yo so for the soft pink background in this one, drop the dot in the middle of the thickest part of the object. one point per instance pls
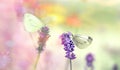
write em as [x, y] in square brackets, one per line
[16, 48]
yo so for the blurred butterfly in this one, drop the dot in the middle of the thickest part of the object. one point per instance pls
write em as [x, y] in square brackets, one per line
[82, 41]
[32, 23]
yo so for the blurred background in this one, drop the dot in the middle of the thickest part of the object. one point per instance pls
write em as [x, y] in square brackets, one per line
[99, 19]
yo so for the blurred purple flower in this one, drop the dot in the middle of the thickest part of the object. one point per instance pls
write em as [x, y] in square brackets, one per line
[89, 60]
[68, 45]
[45, 30]
[4, 60]
[19, 10]
[43, 36]
[115, 67]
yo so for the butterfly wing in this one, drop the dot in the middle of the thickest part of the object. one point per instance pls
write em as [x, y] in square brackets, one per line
[82, 41]
[32, 23]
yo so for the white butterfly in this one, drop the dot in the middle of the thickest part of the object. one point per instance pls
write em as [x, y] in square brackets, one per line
[82, 41]
[32, 23]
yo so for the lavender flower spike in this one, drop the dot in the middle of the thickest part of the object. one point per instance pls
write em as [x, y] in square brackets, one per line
[89, 60]
[68, 45]
[43, 36]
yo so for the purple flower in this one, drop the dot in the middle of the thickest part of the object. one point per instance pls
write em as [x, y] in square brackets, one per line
[115, 67]
[68, 45]
[43, 37]
[19, 9]
[89, 60]
[45, 30]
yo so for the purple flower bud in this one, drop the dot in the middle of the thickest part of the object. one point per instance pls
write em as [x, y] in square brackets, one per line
[43, 36]
[68, 45]
[115, 67]
[89, 60]
[45, 29]
[70, 55]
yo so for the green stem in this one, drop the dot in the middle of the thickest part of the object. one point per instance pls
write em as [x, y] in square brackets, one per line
[36, 62]
[66, 65]
[70, 64]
